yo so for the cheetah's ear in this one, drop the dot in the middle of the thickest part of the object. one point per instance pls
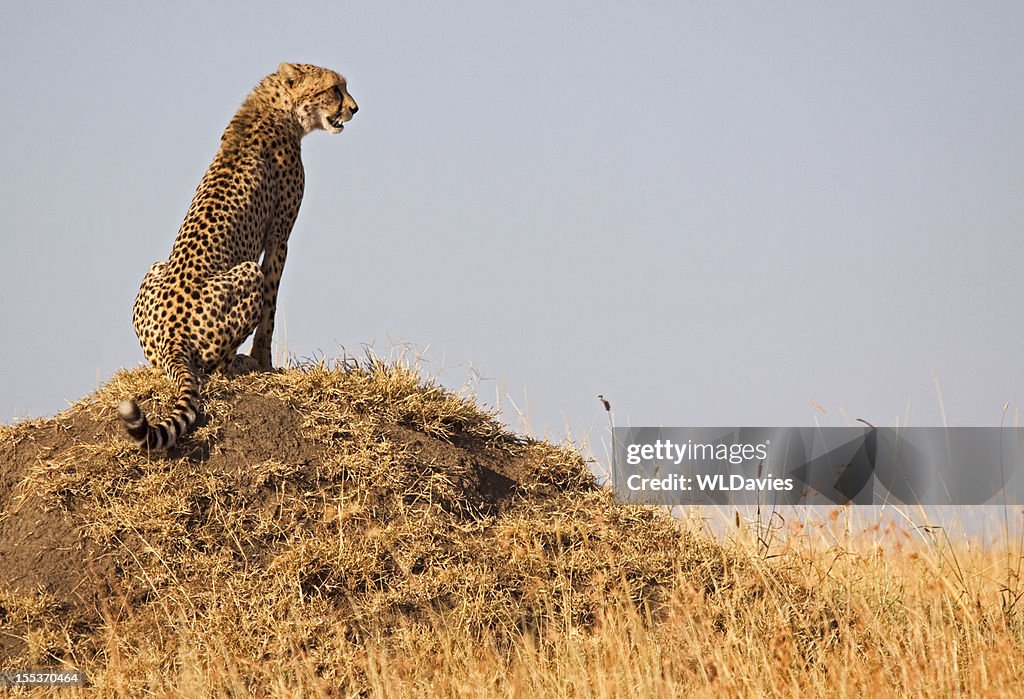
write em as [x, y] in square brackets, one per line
[289, 73]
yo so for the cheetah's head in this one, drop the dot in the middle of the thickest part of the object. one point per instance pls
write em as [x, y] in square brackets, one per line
[319, 97]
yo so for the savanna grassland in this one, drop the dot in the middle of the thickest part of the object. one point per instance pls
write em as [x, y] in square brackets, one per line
[353, 529]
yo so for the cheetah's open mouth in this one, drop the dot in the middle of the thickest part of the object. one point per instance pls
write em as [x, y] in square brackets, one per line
[336, 122]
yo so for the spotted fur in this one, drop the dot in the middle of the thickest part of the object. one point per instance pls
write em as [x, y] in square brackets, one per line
[220, 283]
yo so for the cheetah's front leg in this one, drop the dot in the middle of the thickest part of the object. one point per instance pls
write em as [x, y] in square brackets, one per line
[273, 265]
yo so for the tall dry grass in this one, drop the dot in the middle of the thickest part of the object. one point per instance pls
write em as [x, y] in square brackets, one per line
[912, 621]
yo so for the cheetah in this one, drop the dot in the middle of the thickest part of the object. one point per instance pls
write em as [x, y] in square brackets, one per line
[220, 283]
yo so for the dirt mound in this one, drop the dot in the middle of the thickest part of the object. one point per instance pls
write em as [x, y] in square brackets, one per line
[314, 511]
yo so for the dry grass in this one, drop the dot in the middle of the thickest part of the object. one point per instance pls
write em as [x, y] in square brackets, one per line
[350, 530]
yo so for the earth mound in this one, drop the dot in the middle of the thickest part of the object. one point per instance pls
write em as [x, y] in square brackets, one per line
[313, 513]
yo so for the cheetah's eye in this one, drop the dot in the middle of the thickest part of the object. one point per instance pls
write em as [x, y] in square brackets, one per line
[331, 92]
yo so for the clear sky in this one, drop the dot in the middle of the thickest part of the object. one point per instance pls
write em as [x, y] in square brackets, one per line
[712, 213]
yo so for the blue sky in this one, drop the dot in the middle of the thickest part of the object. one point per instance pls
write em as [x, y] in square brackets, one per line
[712, 213]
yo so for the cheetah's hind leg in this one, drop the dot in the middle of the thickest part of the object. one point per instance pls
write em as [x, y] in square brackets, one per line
[146, 312]
[230, 306]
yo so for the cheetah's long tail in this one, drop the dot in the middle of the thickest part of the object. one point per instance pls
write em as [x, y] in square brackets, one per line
[166, 433]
